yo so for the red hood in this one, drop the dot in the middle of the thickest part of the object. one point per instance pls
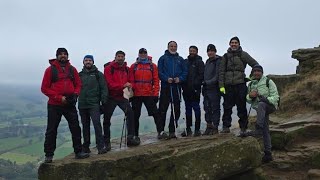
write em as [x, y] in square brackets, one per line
[56, 63]
[115, 65]
[149, 58]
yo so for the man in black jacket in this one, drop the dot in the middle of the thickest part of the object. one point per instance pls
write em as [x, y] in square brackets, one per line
[192, 90]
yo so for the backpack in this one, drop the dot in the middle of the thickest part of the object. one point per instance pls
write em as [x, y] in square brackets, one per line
[112, 68]
[267, 84]
[151, 69]
[54, 74]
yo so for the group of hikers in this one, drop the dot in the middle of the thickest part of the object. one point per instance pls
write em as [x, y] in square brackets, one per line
[221, 76]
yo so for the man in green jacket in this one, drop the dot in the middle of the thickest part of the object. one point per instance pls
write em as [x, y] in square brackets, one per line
[263, 96]
[93, 91]
[232, 84]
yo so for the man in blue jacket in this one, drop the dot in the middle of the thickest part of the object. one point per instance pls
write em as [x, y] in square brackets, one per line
[172, 71]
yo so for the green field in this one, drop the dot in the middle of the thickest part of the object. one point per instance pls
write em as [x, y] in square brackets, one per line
[18, 158]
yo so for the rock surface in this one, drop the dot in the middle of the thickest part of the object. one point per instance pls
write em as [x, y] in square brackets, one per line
[209, 157]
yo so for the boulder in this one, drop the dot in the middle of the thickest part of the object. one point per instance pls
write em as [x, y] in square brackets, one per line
[208, 157]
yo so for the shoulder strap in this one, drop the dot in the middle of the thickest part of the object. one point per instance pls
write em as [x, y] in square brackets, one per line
[267, 82]
[54, 74]
[71, 73]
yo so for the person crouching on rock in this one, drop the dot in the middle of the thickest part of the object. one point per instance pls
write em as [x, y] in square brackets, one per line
[264, 97]
[146, 88]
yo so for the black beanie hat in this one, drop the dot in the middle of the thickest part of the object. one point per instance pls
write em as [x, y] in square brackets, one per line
[60, 50]
[235, 38]
[257, 67]
[211, 47]
[194, 47]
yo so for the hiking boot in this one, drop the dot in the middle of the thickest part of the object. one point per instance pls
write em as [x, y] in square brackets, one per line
[256, 133]
[267, 157]
[81, 155]
[48, 159]
[243, 132]
[86, 150]
[102, 151]
[197, 133]
[225, 130]
[163, 135]
[172, 135]
[137, 139]
[209, 130]
[186, 133]
[132, 141]
[107, 144]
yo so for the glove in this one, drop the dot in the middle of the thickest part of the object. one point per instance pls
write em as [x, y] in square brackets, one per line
[223, 90]
[263, 99]
[155, 99]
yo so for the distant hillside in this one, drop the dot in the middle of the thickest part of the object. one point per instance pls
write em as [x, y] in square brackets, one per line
[19, 101]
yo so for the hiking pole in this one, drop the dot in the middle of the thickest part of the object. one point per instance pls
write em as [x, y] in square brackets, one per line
[249, 110]
[172, 108]
[124, 128]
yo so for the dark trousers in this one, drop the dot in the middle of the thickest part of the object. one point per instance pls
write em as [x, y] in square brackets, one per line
[152, 109]
[55, 113]
[173, 100]
[263, 112]
[86, 116]
[124, 105]
[235, 95]
[211, 104]
[192, 101]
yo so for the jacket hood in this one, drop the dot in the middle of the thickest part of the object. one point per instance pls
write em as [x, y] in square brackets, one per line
[55, 62]
[115, 65]
[169, 54]
[93, 69]
[239, 50]
[196, 57]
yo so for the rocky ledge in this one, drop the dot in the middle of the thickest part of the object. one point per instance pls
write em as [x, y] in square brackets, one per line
[207, 157]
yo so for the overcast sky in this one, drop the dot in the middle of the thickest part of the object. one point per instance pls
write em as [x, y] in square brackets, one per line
[269, 30]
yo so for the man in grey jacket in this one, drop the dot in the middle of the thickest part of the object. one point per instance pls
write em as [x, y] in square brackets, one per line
[211, 93]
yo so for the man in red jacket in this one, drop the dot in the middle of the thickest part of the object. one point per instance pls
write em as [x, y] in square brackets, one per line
[61, 83]
[117, 76]
[146, 88]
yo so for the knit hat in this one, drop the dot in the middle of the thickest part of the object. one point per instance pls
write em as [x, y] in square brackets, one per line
[142, 50]
[89, 57]
[60, 50]
[194, 47]
[211, 47]
[257, 67]
[235, 38]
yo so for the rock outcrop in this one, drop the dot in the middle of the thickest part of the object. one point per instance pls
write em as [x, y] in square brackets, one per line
[309, 59]
[212, 157]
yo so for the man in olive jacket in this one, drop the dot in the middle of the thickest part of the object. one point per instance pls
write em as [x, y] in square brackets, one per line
[264, 98]
[93, 91]
[232, 84]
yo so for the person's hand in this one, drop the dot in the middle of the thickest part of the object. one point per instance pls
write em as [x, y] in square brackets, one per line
[253, 94]
[127, 84]
[203, 83]
[64, 100]
[176, 80]
[223, 90]
[170, 80]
